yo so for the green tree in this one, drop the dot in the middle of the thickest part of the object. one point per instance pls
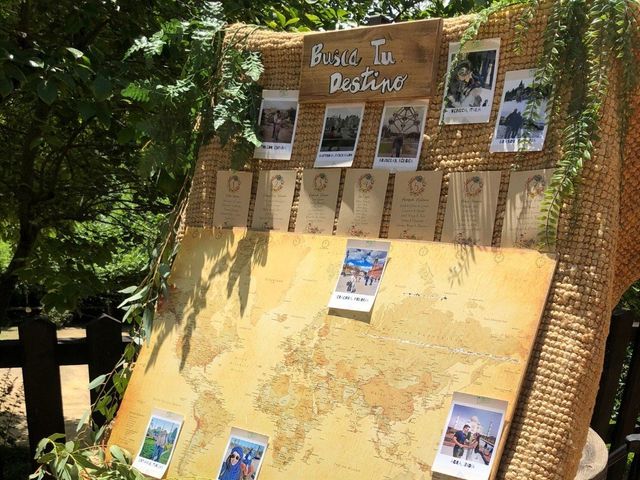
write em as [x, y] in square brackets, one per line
[66, 164]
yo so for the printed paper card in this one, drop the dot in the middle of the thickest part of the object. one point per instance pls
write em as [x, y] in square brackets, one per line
[522, 216]
[471, 208]
[518, 128]
[318, 201]
[360, 276]
[400, 136]
[471, 80]
[414, 208]
[158, 443]
[340, 135]
[471, 437]
[233, 193]
[243, 455]
[273, 200]
[362, 202]
[277, 124]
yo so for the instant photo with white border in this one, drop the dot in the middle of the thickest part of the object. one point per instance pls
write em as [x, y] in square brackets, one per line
[340, 135]
[477, 422]
[511, 133]
[360, 275]
[276, 125]
[400, 136]
[163, 428]
[471, 82]
[253, 446]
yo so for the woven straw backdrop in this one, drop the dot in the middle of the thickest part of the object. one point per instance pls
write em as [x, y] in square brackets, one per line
[598, 245]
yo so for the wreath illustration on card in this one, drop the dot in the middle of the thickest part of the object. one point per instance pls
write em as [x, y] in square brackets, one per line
[473, 186]
[535, 186]
[365, 182]
[417, 185]
[311, 228]
[405, 235]
[320, 182]
[357, 232]
[277, 182]
[234, 183]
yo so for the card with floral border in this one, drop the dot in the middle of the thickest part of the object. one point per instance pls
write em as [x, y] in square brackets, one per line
[471, 208]
[362, 203]
[233, 194]
[273, 200]
[414, 209]
[318, 201]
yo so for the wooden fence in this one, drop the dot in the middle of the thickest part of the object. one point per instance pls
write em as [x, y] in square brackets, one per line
[40, 354]
[623, 348]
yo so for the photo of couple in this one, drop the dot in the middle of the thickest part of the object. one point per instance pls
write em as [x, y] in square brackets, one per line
[471, 434]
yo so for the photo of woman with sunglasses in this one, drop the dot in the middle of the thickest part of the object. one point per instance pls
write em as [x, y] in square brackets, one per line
[232, 467]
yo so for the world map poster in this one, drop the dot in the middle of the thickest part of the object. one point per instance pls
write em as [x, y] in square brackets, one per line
[246, 341]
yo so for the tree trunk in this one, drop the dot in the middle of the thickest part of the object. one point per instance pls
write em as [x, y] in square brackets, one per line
[9, 278]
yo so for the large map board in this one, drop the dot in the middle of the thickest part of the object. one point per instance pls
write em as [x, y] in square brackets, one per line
[246, 340]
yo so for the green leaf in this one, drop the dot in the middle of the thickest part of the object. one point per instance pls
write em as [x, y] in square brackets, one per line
[101, 88]
[35, 63]
[83, 420]
[147, 318]
[96, 382]
[137, 296]
[75, 52]
[117, 453]
[136, 92]
[47, 91]
[128, 290]
[6, 86]
[87, 110]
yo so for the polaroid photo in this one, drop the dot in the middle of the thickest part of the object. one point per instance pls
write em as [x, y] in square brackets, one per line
[471, 437]
[360, 275]
[277, 124]
[340, 135]
[471, 81]
[158, 443]
[243, 455]
[400, 136]
[518, 129]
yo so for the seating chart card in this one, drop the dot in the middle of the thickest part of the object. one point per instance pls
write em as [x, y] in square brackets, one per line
[522, 216]
[414, 208]
[273, 200]
[362, 202]
[318, 201]
[233, 194]
[471, 208]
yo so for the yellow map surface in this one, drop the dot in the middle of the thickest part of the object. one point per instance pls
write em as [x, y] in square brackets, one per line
[246, 340]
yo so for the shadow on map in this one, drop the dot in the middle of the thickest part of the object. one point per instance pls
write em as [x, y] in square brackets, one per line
[188, 272]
